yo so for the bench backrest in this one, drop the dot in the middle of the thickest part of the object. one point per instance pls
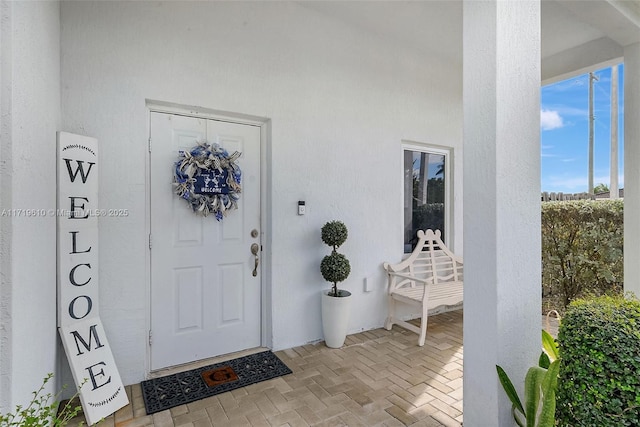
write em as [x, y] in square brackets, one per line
[431, 259]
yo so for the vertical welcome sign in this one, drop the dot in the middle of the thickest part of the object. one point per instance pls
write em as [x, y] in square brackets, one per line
[92, 364]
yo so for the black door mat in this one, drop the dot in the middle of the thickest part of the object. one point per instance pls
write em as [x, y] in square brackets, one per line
[186, 387]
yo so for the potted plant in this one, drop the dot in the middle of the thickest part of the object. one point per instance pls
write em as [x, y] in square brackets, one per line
[335, 268]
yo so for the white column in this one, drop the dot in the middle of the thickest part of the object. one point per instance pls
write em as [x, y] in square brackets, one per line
[501, 98]
[613, 180]
[632, 168]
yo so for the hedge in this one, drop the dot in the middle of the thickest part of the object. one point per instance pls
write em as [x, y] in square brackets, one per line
[430, 216]
[581, 250]
[599, 381]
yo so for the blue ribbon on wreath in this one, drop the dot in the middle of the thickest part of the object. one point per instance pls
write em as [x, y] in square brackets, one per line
[208, 178]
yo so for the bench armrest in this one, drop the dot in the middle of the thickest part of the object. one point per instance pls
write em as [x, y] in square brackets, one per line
[404, 279]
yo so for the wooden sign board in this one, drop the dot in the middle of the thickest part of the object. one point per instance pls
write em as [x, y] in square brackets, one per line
[94, 369]
[85, 342]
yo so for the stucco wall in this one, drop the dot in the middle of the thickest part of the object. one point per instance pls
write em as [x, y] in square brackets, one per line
[30, 103]
[340, 101]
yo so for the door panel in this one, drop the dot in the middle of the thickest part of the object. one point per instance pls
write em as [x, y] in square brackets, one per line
[204, 299]
[189, 286]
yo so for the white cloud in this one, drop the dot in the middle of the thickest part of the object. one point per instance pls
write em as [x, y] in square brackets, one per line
[550, 120]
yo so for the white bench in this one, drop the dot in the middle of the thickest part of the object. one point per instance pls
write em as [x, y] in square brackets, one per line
[430, 277]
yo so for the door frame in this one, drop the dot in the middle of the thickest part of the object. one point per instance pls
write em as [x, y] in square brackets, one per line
[154, 106]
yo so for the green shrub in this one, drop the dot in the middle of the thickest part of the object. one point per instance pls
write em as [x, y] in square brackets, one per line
[43, 410]
[430, 215]
[599, 382]
[581, 250]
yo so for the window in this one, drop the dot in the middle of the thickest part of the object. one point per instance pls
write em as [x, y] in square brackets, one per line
[425, 192]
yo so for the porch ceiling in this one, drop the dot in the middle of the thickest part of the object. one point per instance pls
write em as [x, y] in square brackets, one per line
[574, 33]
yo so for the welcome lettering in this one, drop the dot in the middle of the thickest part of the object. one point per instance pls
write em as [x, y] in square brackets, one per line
[79, 168]
[81, 330]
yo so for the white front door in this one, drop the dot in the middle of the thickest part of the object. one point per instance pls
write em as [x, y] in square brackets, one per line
[205, 300]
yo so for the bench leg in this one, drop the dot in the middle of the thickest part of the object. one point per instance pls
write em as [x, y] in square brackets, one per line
[392, 313]
[423, 325]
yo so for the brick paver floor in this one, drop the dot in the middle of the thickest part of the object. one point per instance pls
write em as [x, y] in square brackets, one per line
[379, 378]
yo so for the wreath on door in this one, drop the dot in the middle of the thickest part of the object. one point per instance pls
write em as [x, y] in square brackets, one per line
[208, 178]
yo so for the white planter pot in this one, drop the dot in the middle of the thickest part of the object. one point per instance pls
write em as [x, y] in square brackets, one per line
[335, 318]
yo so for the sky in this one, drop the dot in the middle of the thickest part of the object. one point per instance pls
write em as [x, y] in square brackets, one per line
[564, 129]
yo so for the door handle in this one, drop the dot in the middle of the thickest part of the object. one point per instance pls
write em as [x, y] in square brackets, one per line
[254, 251]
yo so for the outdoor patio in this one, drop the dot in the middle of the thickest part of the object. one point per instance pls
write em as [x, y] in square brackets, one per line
[379, 378]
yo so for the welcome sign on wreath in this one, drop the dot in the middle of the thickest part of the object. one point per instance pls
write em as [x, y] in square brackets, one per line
[208, 178]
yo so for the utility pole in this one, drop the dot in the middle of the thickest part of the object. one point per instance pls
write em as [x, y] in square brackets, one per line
[613, 187]
[592, 77]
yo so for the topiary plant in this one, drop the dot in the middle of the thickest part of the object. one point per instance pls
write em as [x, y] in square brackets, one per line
[335, 267]
[600, 350]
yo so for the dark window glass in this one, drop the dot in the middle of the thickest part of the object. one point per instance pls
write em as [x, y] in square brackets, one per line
[424, 178]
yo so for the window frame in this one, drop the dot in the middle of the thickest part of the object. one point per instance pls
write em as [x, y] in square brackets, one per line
[447, 152]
